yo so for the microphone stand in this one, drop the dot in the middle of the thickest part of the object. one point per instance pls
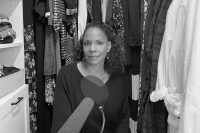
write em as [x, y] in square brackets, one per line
[101, 110]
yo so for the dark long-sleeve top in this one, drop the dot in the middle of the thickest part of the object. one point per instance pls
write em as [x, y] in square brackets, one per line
[68, 96]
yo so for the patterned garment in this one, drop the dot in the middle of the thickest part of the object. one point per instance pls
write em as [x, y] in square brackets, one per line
[59, 12]
[33, 123]
[29, 42]
[118, 24]
[30, 74]
[50, 85]
[30, 69]
[32, 96]
[68, 42]
[69, 60]
[63, 37]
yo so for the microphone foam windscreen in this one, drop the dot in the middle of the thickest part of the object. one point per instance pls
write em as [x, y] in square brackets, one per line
[78, 118]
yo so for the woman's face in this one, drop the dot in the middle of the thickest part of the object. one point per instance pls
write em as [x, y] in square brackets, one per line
[95, 46]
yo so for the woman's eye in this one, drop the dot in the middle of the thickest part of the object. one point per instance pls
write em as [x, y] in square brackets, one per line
[86, 43]
[100, 43]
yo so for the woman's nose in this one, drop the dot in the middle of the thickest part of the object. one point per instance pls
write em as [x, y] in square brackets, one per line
[92, 48]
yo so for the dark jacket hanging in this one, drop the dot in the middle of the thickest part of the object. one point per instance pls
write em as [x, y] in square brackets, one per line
[44, 111]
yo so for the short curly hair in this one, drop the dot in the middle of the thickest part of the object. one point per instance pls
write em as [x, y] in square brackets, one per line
[115, 63]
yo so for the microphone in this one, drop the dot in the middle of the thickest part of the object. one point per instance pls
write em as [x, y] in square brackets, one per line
[78, 118]
[95, 91]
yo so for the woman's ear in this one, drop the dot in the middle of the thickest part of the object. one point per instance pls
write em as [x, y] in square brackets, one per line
[109, 46]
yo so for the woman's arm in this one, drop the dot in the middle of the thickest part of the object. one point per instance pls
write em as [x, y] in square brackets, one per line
[62, 104]
[122, 124]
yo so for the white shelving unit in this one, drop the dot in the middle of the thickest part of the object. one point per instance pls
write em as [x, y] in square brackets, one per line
[10, 45]
[14, 107]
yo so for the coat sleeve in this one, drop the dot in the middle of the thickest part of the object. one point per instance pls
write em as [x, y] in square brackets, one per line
[62, 104]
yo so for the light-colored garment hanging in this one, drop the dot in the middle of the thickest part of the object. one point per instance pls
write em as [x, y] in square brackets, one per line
[190, 109]
[135, 96]
[58, 57]
[104, 5]
[169, 71]
[49, 53]
[82, 17]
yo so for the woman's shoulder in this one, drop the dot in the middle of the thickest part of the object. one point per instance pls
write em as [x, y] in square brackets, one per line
[69, 69]
[118, 78]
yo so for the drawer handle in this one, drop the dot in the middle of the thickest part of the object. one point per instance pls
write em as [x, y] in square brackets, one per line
[19, 99]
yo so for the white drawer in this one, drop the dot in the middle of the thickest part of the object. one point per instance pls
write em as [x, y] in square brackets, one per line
[14, 114]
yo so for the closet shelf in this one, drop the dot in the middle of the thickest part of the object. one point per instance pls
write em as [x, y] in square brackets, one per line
[9, 45]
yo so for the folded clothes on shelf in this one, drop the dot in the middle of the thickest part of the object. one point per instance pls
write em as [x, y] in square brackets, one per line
[7, 32]
[5, 25]
[7, 39]
[2, 24]
[4, 28]
[7, 36]
[3, 16]
[8, 70]
[1, 70]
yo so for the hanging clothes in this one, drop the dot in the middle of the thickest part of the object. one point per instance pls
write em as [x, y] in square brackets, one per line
[30, 61]
[109, 11]
[118, 20]
[66, 25]
[44, 112]
[169, 72]
[60, 26]
[154, 117]
[149, 10]
[134, 46]
[190, 64]
[155, 44]
[28, 12]
[89, 7]
[135, 18]
[59, 12]
[145, 5]
[71, 7]
[49, 56]
[58, 56]
[104, 6]
[50, 67]
[30, 74]
[96, 10]
[82, 17]
[49, 11]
